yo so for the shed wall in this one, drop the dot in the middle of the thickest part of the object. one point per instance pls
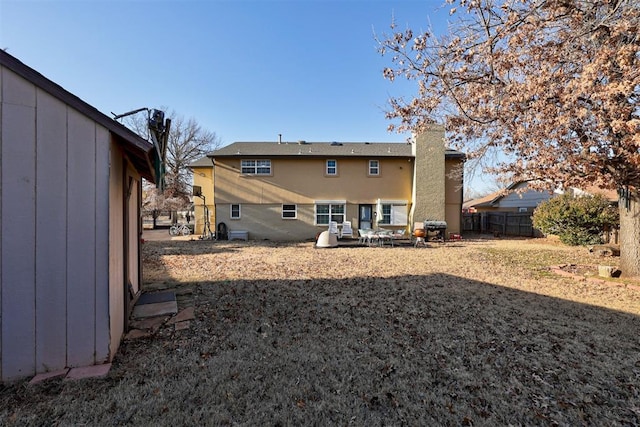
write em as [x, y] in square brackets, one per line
[53, 249]
[51, 224]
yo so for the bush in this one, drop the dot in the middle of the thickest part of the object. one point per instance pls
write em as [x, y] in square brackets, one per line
[576, 220]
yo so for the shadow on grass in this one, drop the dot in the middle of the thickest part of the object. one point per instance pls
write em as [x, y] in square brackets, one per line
[415, 350]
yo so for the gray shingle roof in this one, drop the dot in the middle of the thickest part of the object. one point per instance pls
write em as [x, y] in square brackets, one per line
[319, 149]
[201, 162]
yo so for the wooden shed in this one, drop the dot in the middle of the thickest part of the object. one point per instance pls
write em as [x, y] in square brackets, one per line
[70, 195]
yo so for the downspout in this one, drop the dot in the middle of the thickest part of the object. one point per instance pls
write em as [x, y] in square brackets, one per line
[213, 203]
[413, 184]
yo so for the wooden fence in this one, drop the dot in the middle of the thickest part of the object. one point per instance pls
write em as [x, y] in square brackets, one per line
[514, 224]
[504, 223]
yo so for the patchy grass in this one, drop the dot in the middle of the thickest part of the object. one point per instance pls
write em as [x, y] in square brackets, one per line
[464, 333]
[537, 261]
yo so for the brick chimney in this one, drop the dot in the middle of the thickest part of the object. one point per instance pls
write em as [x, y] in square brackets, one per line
[429, 175]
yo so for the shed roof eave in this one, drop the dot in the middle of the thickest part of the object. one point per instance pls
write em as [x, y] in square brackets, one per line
[132, 141]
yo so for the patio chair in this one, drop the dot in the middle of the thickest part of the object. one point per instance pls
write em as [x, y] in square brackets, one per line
[366, 236]
[346, 229]
[362, 236]
[397, 235]
[333, 227]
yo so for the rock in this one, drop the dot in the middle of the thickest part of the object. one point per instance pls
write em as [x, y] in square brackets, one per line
[185, 314]
[606, 270]
[605, 250]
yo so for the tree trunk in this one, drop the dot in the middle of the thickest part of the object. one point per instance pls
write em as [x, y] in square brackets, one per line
[629, 238]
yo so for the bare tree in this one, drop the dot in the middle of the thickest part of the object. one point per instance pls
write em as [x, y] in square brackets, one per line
[187, 142]
[553, 85]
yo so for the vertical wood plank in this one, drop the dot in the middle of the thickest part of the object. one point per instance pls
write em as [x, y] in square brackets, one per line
[18, 179]
[81, 259]
[1, 127]
[133, 238]
[51, 228]
[116, 248]
[102, 245]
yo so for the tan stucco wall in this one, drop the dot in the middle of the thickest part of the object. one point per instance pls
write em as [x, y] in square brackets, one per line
[304, 181]
[265, 222]
[204, 177]
[453, 195]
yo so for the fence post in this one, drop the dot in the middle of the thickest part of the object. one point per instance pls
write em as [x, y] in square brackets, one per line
[504, 224]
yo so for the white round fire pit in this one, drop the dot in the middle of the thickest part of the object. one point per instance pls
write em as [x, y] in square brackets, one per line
[327, 240]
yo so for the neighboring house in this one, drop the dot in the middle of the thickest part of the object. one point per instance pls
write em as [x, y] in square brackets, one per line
[70, 195]
[517, 197]
[290, 191]
[610, 195]
[510, 211]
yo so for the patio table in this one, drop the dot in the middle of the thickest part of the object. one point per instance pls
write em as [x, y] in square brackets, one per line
[384, 236]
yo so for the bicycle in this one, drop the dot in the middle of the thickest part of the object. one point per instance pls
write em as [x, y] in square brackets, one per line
[179, 229]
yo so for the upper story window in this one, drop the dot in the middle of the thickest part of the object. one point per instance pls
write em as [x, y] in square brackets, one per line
[374, 167]
[332, 167]
[256, 167]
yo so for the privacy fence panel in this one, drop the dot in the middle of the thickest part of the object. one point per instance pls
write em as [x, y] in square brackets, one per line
[505, 223]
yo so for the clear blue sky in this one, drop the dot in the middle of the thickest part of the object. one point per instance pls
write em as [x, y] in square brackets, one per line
[247, 70]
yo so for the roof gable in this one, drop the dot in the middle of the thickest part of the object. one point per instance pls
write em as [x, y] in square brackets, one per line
[518, 190]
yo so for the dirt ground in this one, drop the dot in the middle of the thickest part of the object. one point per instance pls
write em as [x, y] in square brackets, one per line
[476, 332]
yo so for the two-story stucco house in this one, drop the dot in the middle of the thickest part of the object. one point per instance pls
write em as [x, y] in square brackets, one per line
[291, 190]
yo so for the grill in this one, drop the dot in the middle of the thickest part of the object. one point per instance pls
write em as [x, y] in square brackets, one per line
[437, 227]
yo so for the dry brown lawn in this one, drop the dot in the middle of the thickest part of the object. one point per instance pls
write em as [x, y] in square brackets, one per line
[477, 332]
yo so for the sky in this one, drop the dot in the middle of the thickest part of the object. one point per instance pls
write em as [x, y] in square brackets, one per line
[246, 70]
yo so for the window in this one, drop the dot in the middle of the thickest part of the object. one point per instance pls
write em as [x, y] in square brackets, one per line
[235, 212]
[330, 211]
[332, 167]
[385, 217]
[392, 212]
[289, 211]
[374, 167]
[521, 210]
[255, 167]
